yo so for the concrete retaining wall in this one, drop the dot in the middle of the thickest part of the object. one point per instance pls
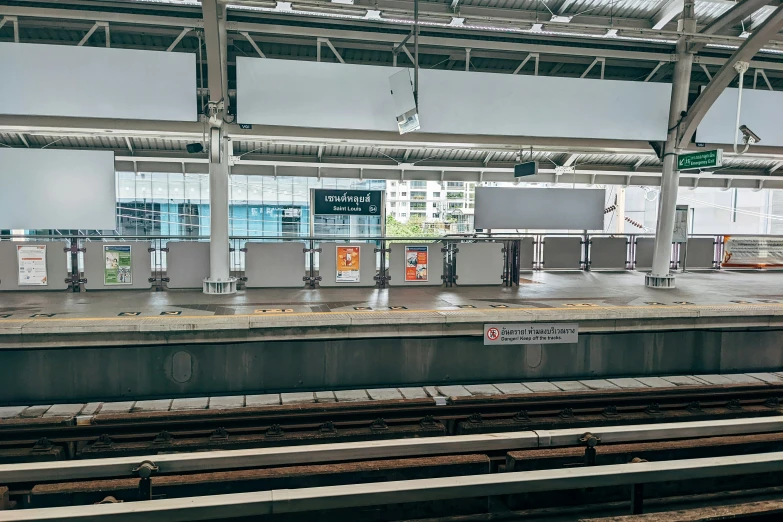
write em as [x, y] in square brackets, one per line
[61, 375]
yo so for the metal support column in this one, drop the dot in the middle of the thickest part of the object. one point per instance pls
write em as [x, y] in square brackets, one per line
[220, 280]
[661, 277]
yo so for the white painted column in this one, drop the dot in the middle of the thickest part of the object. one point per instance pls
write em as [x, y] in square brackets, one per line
[619, 226]
[660, 277]
[219, 281]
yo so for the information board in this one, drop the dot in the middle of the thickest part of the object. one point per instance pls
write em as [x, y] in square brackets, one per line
[416, 262]
[32, 265]
[348, 264]
[756, 252]
[118, 265]
[531, 333]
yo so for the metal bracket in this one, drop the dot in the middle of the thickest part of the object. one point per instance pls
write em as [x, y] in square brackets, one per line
[309, 250]
[590, 441]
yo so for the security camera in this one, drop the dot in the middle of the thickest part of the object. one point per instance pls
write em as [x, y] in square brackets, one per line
[749, 137]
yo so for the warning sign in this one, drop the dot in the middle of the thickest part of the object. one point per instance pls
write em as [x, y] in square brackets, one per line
[531, 333]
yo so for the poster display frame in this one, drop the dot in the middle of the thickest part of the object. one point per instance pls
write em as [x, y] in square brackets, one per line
[768, 252]
[121, 277]
[416, 252]
[35, 267]
[343, 272]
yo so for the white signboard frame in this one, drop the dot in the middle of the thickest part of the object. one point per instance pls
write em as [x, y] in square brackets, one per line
[31, 261]
[531, 333]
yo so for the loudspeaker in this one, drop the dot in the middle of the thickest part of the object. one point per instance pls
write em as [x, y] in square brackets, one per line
[194, 148]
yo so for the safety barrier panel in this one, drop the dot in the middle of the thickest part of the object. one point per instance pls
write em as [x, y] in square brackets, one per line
[142, 262]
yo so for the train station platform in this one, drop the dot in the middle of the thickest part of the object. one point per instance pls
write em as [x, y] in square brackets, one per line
[61, 347]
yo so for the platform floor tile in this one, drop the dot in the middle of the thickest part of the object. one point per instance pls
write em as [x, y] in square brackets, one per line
[90, 408]
[117, 407]
[541, 386]
[512, 388]
[226, 403]
[628, 383]
[35, 411]
[654, 382]
[351, 395]
[482, 389]
[743, 378]
[432, 391]
[714, 379]
[6, 412]
[268, 399]
[570, 385]
[384, 394]
[453, 390]
[194, 403]
[325, 396]
[154, 405]
[599, 384]
[766, 377]
[64, 410]
[413, 393]
[297, 397]
[682, 380]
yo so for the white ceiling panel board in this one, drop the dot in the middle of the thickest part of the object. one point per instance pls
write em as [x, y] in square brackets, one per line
[97, 82]
[762, 112]
[57, 189]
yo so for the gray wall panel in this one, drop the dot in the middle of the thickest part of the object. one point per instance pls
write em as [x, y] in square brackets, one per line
[327, 267]
[762, 112]
[645, 246]
[539, 208]
[49, 189]
[274, 265]
[344, 96]
[397, 265]
[96, 82]
[701, 253]
[608, 253]
[56, 266]
[187, 264]
[527, 253]
[141, 265]
[562, 253]
[479, 264]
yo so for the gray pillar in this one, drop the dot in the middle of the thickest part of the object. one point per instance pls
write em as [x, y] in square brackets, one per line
[660, 276]
[219, 281]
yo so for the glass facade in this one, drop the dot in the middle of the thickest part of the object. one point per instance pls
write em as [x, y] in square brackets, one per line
[174, 204]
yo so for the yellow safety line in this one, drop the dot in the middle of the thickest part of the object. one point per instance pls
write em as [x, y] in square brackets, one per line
[360, 312]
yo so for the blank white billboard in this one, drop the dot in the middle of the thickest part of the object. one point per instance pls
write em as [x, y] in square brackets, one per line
[343, 96]
[50, 188]
[539, 208]
[762, 112]
[96, 82]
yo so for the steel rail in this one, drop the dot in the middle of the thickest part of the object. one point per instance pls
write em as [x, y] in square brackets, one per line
[353, 451]
[422, 490]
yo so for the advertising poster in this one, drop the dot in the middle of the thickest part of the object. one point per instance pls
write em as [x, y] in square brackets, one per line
[348, 264]
[32, 265]
[752, 252]
[117, 270]
[416, 263]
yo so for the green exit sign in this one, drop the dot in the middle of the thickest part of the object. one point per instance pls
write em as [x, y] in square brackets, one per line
[700, 160]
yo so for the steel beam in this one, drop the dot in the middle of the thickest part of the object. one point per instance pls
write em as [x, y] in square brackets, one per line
[254, 45]
[738, 12]
[179, 38]
[216, 49]
[771, 26]
[668, 11]
[87, 36]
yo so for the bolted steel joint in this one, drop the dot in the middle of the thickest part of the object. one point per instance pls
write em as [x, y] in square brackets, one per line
[146, 469]
[589, 440]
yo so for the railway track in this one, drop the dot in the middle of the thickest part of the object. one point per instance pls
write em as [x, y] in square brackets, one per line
[104, 435]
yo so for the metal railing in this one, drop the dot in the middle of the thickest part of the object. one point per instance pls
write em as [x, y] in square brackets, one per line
[522, 252]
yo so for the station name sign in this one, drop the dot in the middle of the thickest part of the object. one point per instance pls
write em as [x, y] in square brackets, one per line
[531, 333]
[350, 202]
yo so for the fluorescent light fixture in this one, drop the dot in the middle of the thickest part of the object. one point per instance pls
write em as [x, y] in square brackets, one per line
[537, 28]
[744, 34]
[611, 33]
[372, 14]
[284, 7]
[457, 22]
[561, 19]
[344, 2]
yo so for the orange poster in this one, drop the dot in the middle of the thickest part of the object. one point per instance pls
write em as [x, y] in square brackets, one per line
[416, 263]
[348, 259]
